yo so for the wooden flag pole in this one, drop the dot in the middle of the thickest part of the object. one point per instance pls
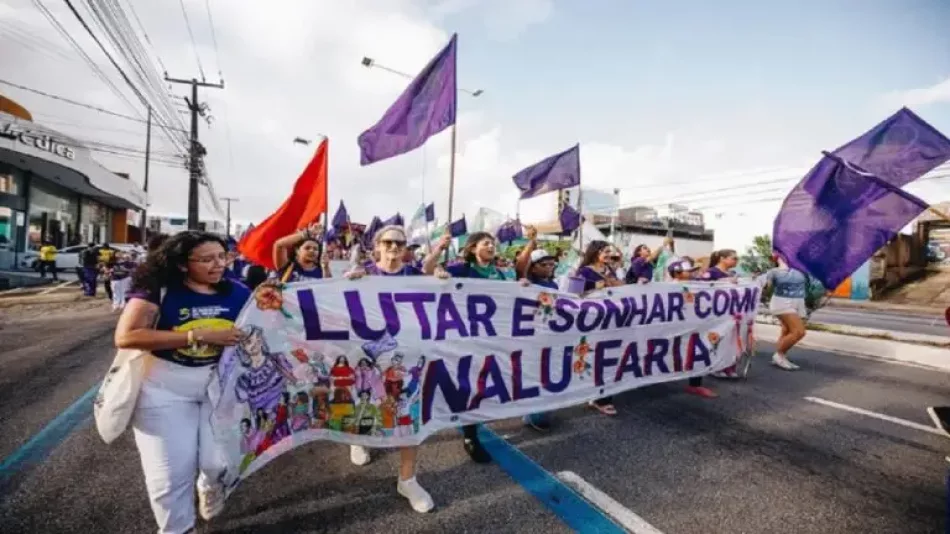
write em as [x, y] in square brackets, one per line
[939, 213]
[451, 182]
[580, 210]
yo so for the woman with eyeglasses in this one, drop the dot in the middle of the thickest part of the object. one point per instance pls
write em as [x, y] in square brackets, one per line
[597, 274]
[182, 310]
[477, 261]
[389, 247]
[309, 259]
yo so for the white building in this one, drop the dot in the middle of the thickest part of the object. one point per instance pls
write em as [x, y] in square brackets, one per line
[173, 223]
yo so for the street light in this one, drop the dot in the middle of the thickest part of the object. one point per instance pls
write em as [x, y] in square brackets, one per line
[369, 63]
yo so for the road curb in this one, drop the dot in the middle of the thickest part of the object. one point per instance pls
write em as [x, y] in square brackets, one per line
[926, 356]
[9, 302]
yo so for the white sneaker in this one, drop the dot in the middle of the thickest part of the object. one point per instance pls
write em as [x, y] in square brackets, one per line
[419, 498]
[359, 455]
[780, 361]
[210, 501]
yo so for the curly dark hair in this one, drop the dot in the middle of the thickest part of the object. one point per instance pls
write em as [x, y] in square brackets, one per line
[162, 267]
[468, 252]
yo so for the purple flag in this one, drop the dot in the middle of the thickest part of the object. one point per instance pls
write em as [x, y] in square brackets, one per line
[570, 219]
[395, 220]
[837, 217]
[370, 232]
[424, 109]
[559, 171]
[341, 217]
[898, 150]
[458, 228]
[330, 235]
[430, 212]
[509, 231]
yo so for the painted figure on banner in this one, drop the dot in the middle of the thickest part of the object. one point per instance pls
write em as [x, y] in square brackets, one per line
[581, 365]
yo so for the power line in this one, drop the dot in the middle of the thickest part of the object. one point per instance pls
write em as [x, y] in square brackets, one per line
[82, 53]
[194, 46]
[214, 38]
[77, 103]
[145, 33]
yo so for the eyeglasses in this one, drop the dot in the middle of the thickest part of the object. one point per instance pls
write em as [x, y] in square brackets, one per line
[392, 243]
[615, 258]
[220, 258]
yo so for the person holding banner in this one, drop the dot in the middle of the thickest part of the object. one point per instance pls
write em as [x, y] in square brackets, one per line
[684, 270]
[309, 259]
[597, 274]
[478, 261]
[389, 247]
[182, 309]
[721, 264]
[540, 272]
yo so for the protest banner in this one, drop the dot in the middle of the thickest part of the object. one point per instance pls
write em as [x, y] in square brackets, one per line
[388, 361]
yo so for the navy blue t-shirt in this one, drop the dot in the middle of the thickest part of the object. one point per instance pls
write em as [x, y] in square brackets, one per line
[183, 310]
[299, 274]
[714, 273]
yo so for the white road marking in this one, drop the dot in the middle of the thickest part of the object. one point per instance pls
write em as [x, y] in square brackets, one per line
[875, 415]
[54, 288]
[627, 519]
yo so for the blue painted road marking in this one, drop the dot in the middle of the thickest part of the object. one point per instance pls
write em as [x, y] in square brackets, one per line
[39, 447]
[557, 496]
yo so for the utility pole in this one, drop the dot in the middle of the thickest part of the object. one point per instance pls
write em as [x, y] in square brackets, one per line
[196, 151]
[148, 152]
[228, 224]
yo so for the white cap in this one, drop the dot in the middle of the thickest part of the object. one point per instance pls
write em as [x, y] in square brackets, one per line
[539, 255]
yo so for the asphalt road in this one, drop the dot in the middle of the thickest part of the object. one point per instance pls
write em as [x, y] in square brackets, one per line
[760, 459]
[895, 322]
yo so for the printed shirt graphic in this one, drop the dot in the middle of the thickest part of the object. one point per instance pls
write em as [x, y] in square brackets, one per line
[298, 273]
[184, 310]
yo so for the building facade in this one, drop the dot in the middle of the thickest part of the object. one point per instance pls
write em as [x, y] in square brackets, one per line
[51, 189]
[173, 224]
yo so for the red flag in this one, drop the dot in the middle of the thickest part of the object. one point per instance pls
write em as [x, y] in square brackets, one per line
[304, 206]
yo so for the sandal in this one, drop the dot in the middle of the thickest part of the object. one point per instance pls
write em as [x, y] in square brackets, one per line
[607, 409]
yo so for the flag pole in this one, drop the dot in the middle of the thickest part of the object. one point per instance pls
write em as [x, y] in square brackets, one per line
[580, 210]
[939, 213]
[451, 182]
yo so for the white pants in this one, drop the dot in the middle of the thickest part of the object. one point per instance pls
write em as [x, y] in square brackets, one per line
[172, 426]
[119, 288]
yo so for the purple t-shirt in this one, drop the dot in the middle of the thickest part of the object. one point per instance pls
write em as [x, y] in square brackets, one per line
[714, 273]
[639, 268]
[183, 310]
[299, 274]
[591, 277]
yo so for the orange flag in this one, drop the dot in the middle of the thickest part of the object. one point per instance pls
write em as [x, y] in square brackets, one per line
[304, 206]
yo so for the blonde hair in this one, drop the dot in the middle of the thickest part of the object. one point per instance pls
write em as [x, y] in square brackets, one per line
[391, 228]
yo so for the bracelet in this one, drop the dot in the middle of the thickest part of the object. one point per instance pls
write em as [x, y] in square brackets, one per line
[191, 338]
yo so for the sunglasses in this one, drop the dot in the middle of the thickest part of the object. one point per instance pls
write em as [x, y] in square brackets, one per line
[392, 243]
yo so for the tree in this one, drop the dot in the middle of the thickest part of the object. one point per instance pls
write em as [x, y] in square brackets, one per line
[758, 257]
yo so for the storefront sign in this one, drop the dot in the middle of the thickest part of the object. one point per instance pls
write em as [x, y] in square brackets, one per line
[39, 141]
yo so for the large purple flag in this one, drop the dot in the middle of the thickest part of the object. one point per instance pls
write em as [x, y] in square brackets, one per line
[559, 171]
[837, 217]
[430, 212]
[424, 109]
[899, 150]
[340, 218]
[570, 219]
[509, 231]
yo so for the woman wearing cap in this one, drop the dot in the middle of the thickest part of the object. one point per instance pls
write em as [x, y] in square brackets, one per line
[683, 270]
[536, 267]
[389, 246]
[788, 305]
[596, 272]
[309, 260]
[478, 261]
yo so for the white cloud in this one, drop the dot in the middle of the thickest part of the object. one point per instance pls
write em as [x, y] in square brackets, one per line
[922, 96]
[503, 20]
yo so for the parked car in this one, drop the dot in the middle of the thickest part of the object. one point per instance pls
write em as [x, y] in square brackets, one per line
[66, 258]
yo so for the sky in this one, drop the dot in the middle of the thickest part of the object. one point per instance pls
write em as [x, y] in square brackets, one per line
[722, 106]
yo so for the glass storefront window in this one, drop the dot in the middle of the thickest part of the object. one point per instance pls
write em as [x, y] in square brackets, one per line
[53, 216]
[11, 180]
[8, 233]
[95, 224]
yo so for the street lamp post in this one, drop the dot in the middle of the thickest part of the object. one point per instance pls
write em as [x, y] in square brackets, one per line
[369, 63]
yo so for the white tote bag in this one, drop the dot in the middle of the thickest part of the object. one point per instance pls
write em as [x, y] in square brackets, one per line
[115, 402]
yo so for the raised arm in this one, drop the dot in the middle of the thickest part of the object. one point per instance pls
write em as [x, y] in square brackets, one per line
[283, 245]
[523, 261]
[431, 260]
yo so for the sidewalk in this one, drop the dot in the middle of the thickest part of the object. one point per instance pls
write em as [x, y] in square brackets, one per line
[884, 307]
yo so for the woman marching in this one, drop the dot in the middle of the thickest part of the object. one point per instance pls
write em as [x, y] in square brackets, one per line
[389, 246]
[478, 261]
[683, 270]
[721, 264]
[309, 260]
[788, 305]
[182, 309]
[596, 272]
